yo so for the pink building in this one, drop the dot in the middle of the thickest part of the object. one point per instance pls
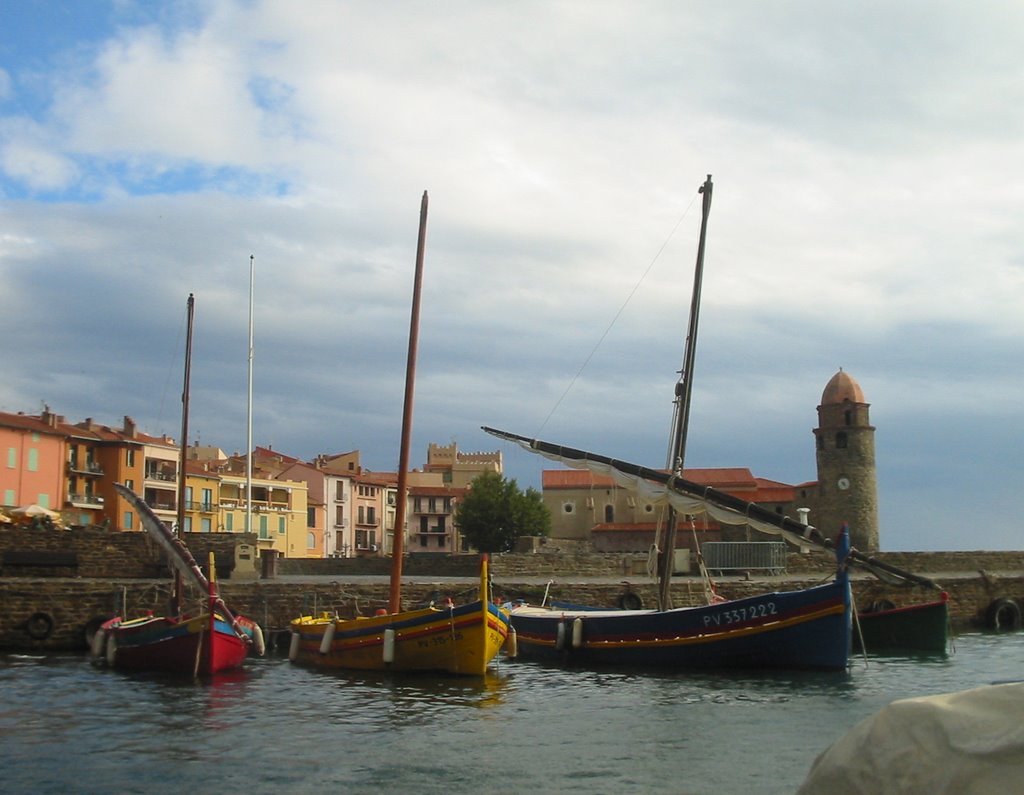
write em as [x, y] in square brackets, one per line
[35, 454]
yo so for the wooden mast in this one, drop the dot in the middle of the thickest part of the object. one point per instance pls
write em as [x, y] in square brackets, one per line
[248, 406]
[183, 449]
[681, 415]
[395, 600]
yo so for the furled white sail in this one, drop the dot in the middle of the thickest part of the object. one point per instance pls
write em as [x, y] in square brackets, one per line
[662, 494]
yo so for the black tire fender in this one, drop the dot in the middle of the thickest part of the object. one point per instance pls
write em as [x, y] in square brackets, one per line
[39, 626]
[631, 601]
[1003, 615]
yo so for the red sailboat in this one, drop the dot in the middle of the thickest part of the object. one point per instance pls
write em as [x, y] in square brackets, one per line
[204, 641]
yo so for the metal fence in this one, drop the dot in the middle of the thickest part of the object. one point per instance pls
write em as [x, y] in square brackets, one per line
[724, 556]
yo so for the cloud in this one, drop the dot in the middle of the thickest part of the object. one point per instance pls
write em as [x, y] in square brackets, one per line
[863, 217]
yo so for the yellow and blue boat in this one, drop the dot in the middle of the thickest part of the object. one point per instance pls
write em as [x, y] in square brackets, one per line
[457, 639]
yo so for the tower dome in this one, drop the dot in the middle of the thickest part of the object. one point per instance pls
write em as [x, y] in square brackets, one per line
[842, 387]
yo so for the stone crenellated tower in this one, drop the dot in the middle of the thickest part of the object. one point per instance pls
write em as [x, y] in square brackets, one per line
[847, 479]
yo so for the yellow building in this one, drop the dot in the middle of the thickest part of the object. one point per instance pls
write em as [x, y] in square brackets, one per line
[202, 494]
[279, 512]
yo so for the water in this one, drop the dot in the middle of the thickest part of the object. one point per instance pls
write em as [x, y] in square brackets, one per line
[66, 726]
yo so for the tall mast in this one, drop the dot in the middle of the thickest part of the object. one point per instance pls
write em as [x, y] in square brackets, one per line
[183, 446]
[681, 414]
[248, 413]
[395, 601]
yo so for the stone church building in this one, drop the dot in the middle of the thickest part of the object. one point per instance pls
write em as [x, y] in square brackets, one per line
[586, 506]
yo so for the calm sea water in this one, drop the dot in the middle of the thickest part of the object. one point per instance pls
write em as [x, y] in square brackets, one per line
[66, 726]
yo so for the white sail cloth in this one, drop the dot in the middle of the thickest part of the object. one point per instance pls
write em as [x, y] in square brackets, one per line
[951, 744]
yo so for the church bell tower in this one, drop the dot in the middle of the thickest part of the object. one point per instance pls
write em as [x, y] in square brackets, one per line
[847, 479]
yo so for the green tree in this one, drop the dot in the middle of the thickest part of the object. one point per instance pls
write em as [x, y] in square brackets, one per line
[494, 513]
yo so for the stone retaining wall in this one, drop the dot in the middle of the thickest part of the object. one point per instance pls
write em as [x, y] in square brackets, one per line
[112, 553]
[72, 603]
[125, 573]
[105, 553]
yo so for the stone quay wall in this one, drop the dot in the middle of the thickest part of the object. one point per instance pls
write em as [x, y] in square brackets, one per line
[114, 573]
[75, 606]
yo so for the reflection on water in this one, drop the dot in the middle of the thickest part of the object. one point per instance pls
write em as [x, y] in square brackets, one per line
[275, 727]
[400, 700]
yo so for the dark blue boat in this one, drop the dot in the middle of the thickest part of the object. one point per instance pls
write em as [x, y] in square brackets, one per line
[805, 629]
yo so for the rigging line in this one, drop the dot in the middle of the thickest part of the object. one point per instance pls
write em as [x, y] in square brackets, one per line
[170, 371]
[615, 319]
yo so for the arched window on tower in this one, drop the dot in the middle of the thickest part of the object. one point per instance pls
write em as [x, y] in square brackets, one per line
[821, 442]
[841, 440]
[848, 417]
[609, 513]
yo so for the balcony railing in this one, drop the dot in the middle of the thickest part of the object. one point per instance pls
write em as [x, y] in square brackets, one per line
[433, 510]
[85, 499]
[89, 468]
[156, 474]
[258, 506]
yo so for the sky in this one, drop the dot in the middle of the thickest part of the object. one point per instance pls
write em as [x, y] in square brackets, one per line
[866, 215]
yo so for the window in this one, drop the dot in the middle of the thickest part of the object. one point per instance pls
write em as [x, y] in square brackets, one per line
[205, 525]
[310, 517]
[362, 515]
[281, 527]
[207, 499]
[130, 485]
[841, 441]
[43, 500]
[129, 457]
[310, 540]
[848, 417]
[33, 460]
[12, 457]
[188, 524]
[129, 519]
[568, 507]
[339, 517]
[371, 515]
[609, 513]
[264, 533]
[229, 522]
[8, 496]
